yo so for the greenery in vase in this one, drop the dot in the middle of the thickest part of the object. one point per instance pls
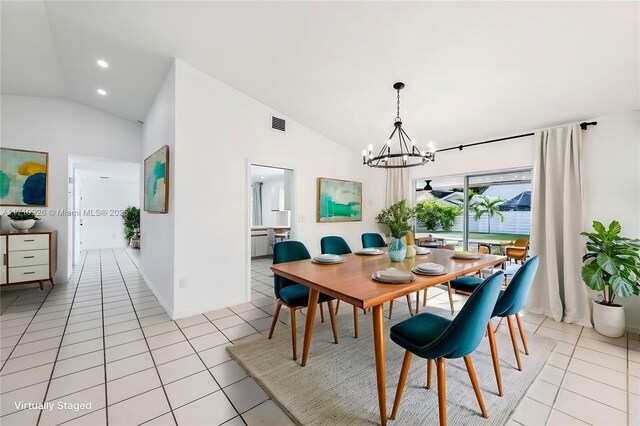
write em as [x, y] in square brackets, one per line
[436, 215]
[612, 262]
[397, 218]
[488, 206]
[131, 219]
[22, 216]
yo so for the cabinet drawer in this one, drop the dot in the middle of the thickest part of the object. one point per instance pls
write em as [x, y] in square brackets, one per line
[28, 258]
[28, 273]
[28, 242]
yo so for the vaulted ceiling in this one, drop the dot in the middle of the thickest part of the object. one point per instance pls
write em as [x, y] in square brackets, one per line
[473, 69]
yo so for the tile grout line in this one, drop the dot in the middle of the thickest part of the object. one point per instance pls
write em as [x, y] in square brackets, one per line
[104, 345]
[145, 336]
[53, 369]
[26, 328]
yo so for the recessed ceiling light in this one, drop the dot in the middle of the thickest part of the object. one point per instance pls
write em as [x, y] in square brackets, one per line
[103, 63]
[102, 92]
[262, 177]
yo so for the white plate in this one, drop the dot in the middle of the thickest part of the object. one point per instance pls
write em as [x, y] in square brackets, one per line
[429, 267]
[467, 256]
[373, 277]
[328, 257]
[373, 252]
[325, 262]
[415, 270]
[422, 251]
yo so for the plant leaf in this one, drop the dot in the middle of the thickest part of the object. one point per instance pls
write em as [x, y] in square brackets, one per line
[607, 263]
[621, 286]
[592, 276]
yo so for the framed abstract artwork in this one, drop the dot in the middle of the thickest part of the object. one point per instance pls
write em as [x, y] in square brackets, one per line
[339, 200]
[156, 181]
[23, 177]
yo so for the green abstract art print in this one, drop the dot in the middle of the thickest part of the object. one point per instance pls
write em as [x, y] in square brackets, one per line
[339, 200]
[156, 181]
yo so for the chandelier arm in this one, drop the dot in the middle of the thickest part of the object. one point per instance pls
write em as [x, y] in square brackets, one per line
[406, 147]
[413, 147]
[385, 146]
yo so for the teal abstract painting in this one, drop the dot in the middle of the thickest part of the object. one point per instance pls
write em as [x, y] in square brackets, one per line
[156, 181]
[23, 177]
[339, 200]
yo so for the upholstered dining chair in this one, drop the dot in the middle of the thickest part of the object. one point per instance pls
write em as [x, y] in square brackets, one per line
[337, 245]
[291, 294]
[372, 240]
[510, 303]
[433, 337]
[518, 251]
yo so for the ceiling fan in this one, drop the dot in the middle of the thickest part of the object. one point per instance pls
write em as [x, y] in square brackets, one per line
[427, 187]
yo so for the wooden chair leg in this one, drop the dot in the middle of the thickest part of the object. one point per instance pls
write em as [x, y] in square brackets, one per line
[390, 308]
[450, 296]
[293, 333]
[275, 317]
[429, 370]
[355, 322]
[401, 382]
[515, 342]
[524, 339]
[417, 301]
[321, 313]
[442, 391]
[474, 382]
[337, 305]
[409, 303]
[333, 321]
[494, 357]
[424, 297]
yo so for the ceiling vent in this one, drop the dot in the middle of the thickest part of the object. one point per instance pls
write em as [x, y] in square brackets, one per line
[278, 123]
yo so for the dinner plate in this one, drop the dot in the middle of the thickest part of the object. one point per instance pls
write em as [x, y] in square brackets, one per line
[325, 262]
[415, 270]
[420, 251]
[430, 267]
[328, 257]
[466, 256]
[375, 277]
[373, 252]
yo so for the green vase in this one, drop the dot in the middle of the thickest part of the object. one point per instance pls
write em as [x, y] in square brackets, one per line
[397, 250]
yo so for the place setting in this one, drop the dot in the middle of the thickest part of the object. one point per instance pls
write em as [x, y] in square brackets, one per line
[393, 276]
[421, 251]
[466, 255]
[370, 252]
[328, 259]
[429, 269]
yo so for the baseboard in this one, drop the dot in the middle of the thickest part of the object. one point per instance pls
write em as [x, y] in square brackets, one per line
[204, 309]
[162, 302]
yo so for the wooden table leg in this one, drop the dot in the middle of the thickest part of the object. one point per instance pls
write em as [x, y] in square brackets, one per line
[314, 295]
[378, 336]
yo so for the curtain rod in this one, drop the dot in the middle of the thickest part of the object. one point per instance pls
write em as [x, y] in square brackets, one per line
[583, 126]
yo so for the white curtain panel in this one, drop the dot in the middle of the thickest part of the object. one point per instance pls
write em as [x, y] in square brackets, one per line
[256, 208]
[556, 223]
[398, 183]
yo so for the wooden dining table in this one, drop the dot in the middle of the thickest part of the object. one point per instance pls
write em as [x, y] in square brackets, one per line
[351, 282]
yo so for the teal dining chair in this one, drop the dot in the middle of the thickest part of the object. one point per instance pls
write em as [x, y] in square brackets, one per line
[372, 240]
[433, 337]
[510, 303]
[337, 245]
[291, 294]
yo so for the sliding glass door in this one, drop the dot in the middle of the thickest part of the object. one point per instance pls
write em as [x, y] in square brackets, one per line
[491, 210]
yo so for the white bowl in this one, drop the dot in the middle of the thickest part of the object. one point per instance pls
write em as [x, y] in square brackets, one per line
[23, 225]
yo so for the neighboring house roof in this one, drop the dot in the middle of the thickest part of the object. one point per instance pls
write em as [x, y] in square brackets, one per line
[521, 202]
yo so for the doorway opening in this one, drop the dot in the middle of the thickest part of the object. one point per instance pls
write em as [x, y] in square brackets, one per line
[100, 189]
[270, 212]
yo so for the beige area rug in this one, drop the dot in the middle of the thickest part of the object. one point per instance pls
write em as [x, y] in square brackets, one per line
[338, 385]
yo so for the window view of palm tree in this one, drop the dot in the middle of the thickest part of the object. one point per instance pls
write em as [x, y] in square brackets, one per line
[499, 207]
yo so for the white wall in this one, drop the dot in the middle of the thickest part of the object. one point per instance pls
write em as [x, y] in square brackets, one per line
[62, 127]
[157, 230]
[105, 195]
[219, 131]
[269, 216]
[610, 169]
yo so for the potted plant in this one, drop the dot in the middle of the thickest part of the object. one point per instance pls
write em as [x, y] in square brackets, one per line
[22, 221]
[397, 217]
[131, 220]
[611, 266]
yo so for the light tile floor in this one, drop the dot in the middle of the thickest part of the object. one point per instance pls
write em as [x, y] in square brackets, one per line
[103, 338]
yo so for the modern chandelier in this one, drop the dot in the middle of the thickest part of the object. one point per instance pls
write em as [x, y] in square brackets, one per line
[409, 153]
